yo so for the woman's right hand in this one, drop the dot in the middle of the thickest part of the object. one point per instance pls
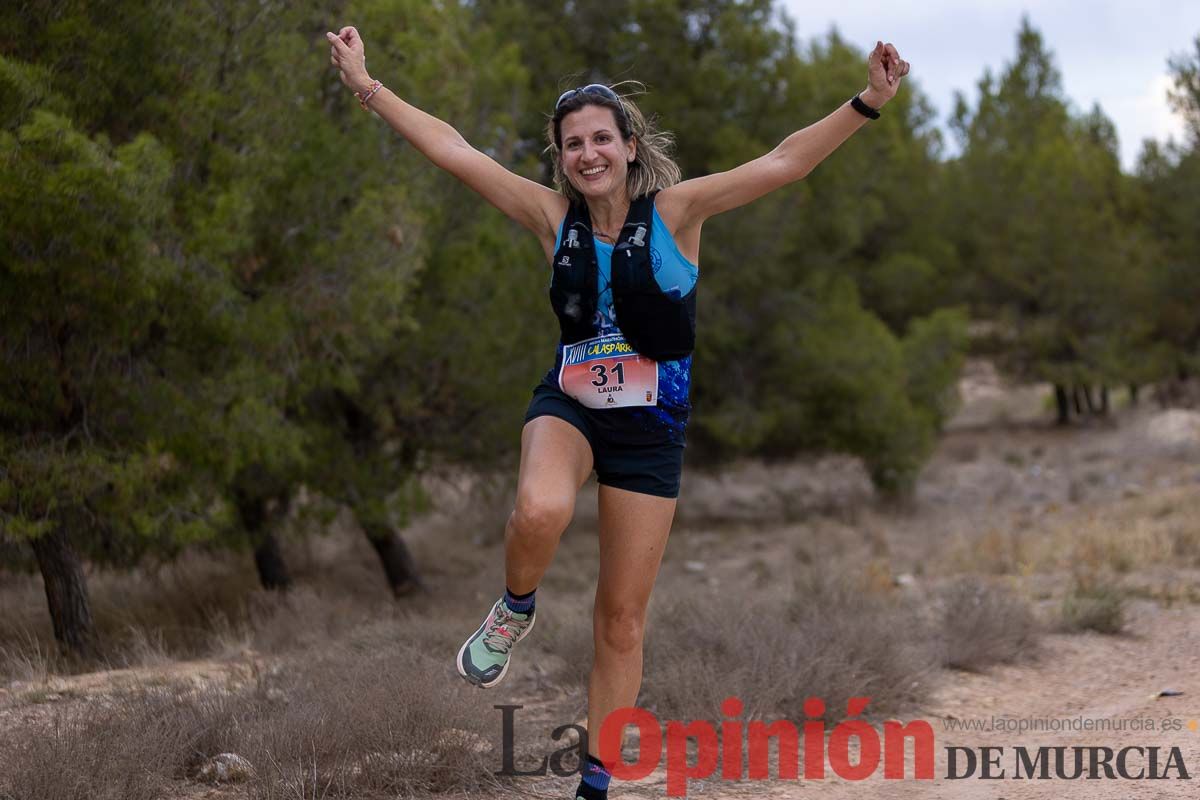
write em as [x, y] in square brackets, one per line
[346, 53]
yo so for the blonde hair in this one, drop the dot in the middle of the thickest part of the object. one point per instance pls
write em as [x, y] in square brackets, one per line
[652, 167]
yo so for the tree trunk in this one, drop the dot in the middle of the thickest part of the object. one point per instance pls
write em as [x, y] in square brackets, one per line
[395, 558]
[1133, 395]
[66, 593]
[1090, 401]
[1063, 404]
[1077, 400]
[272, 569]
[255, 509]
[1104, 401]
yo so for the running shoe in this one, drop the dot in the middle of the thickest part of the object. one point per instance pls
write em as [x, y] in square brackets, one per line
[483, 659]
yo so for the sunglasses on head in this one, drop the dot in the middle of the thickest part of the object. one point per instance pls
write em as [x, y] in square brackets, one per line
[592, 88]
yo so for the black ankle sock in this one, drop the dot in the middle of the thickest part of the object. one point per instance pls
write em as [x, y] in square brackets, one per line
[591, 792]
[520, 603]
[596, 777]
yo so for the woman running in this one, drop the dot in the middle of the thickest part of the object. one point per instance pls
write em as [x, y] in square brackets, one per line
[622, 237]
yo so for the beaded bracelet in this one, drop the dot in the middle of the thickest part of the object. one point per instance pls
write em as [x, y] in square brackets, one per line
[363, 97]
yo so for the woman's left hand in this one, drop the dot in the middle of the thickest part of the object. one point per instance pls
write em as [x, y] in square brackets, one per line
[885, 69]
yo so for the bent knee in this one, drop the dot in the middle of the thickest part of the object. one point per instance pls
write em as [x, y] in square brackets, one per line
[537, 517]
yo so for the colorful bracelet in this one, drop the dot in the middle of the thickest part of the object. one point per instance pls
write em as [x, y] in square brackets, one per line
[363, 97]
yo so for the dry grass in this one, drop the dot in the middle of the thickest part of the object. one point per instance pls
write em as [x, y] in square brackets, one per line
[359, 724]
[754, 492]
[146, 616]
[984, 623]
[832, 636]
[363, 725]
[565, 641]
[205, 605]
[1094, 603]
[210, 603]
[29, 659]
[1121, 536]
[127, 748]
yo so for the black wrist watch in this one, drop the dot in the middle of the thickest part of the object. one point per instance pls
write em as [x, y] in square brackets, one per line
[858, 105]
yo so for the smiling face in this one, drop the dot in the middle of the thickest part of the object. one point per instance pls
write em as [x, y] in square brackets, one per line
[595, 158]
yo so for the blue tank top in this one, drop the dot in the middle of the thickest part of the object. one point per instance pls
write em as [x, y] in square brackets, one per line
[675, 275]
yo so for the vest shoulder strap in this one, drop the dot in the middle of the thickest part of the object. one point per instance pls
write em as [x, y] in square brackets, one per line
[577, 227]
[638, 222]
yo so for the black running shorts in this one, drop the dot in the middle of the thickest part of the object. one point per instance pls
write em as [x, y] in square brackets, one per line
[630, 449]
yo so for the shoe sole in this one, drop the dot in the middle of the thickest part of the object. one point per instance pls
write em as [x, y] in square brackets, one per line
[471, 679]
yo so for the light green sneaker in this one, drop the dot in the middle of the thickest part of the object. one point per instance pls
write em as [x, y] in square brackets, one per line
[483, 659]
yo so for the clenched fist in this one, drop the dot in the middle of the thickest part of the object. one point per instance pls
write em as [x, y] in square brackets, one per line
[885, 69]
[346, 53]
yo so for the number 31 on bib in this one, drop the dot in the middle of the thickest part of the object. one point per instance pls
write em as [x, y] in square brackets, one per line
[606, 372]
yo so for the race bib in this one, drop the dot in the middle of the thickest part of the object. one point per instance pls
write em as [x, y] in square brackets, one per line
[605, 372]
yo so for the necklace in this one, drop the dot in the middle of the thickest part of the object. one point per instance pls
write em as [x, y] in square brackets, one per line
[609, 237]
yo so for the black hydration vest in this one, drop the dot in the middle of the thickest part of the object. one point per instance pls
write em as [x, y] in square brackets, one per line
[655, 324]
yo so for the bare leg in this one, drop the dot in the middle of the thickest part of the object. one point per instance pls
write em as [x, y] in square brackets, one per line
[555, 461]
[633, 535]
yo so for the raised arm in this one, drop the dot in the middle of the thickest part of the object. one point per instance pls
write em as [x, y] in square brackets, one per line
[534, 206]
[686, 205]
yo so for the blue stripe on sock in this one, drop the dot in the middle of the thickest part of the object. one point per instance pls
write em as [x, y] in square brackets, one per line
[520, 606]
[596, 776]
